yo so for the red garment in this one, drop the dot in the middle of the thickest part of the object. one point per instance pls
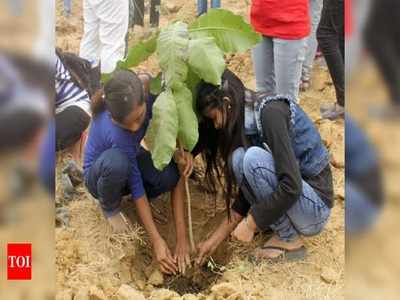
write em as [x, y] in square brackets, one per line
[348, 18]
[286, 19]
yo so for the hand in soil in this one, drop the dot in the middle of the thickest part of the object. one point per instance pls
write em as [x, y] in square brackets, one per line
[164, 258]
[182, 256]
[205, 250]
[244, 232]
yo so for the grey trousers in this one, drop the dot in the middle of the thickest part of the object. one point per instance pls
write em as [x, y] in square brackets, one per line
[277, 65]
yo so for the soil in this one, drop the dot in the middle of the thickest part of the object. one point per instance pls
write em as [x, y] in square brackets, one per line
[88, 255]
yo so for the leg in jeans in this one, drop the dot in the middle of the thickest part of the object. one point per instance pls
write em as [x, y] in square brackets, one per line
[156, 182]
[288, 61]
[215, 3]
[67, 7]
[263, 61]
[201, 7]
[155, 13]
[90, 43]
[107, 180]
[114, 20]
[311, 43]
[330, 35]
[306, 217]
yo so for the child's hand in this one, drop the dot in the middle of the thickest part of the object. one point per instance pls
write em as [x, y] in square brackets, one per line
[205, 250]
[244, 232]
[182, 256]
[185, 162]
[164, 258]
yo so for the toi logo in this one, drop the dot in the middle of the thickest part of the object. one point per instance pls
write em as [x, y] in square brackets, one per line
[19, 261]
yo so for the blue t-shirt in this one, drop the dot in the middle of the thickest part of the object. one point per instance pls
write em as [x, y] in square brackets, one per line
[104, 135]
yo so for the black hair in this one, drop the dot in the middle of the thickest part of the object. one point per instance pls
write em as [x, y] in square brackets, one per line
[219, 144]
[120, 95]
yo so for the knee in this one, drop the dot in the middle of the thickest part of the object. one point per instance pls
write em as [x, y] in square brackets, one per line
[312, 230]
[253, 157]
[237, 164]
[115, 164]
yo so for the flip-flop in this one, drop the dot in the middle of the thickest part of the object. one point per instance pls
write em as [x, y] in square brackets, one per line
[288, 255]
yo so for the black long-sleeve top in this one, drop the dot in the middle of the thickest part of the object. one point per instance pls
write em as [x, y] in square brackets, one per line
[275, 120]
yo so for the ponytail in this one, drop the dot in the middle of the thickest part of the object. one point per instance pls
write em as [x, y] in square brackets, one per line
[98, 103]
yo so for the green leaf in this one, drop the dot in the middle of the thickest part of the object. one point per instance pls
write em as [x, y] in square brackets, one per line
[188, 133]
[163, 130]
[231, 32]
[172, 51]
[156, 84]
[206, 59]
[138, 53]
[192, 82]
[105, 77]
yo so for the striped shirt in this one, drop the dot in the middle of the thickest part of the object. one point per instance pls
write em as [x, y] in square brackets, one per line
[67, 92]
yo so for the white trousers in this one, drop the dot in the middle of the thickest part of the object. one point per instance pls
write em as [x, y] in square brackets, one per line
[105, 29]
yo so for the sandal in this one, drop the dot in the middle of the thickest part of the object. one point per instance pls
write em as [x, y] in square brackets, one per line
[288, 255]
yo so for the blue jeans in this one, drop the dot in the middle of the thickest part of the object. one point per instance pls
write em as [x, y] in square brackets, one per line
[361, 212]
[202, 6]
[67, 7]
[307, 216]
[108, 178]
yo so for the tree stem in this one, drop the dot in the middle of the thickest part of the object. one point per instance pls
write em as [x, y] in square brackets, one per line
[189, 207]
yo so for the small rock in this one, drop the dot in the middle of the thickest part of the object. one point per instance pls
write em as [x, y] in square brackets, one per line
[127, 292]
[172, 7]
[329, 275]
[64, 295]
[164, 294]
[140, 284]
[96, 293]
[82, 294]
[156, 278]
[225, 290]
[189, 297]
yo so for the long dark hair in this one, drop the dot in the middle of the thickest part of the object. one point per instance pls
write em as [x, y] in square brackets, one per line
[121, 94]
[219, 144]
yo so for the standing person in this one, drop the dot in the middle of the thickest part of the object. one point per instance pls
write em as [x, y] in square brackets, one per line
[330, 35]
[67, 8]
[116, 164]
[270, 152]
[202, 6]
[311, 44]
[382, 34]
[105, 29]
[278, 58]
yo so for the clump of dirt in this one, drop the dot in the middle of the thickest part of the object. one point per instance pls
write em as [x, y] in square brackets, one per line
[200, 279]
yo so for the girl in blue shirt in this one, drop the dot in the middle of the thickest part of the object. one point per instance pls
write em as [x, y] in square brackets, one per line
[116, 164]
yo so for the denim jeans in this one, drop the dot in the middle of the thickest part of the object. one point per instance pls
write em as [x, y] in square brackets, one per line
[307, 216]
[202, 6]
[312, 43]
[361, 212]
[67, 7]
[277, 65]
[16, 7]
[330, 35]
[108, 178]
